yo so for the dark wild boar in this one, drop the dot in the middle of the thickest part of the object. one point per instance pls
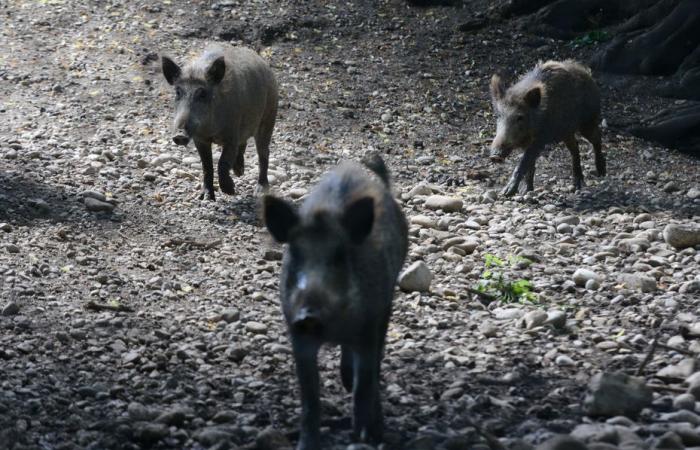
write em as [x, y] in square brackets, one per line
[345, 247]
[225, 96]
[547, 105]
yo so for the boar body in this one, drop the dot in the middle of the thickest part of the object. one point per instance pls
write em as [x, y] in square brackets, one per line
[225, 96]
[346, 246]
[547, 105]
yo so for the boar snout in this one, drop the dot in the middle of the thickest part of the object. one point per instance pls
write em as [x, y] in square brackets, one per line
[499, 154]
[181, 139]
[307, 321]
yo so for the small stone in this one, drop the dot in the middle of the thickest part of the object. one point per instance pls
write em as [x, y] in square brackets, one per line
[272, 255]
[680, 237]
[508, 313]
[443, 202]
[564, 361]
[488, 329]
[669, 441]
[671, 186]
[94, 205]
[225, 416]
[681, 416]
[6, 227]
[150, 433]
[230, 315]
[534, 318]
[564, 228]
[424, 221]
[556, 318]
[582, 276]
[592, 285]
[638, 281]
[417, 277]
[210, 436]
[684, 401]
[174, 417]
[11, 248]
[419, 189]
[562, 443]
[571, 220]
[690, 287]
[421, 443]
[616, 394]
[10, 309]
[680, 371]
[693, 193]
[162, 159]
[256, 327]
[271, 439]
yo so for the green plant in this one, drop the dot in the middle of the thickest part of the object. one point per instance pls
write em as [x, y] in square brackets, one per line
[590, 38]
[494, 282]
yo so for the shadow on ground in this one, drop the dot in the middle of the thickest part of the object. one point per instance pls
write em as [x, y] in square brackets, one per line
[24, 200]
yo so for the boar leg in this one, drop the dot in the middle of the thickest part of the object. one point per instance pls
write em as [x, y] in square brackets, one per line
[306, 358]
[239, 164]
[228, 153]
[572, 145]
[367, 419]
[527, 162]
[529, 184]
[204, 150]
[346, 367]
[262, 145]
[592, 135]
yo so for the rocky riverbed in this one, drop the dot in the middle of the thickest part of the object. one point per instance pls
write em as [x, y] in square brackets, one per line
[134, 315]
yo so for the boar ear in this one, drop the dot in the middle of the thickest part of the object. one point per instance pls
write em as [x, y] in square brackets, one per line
[533, 97]
[498, 87]
[171, 71]
[280, 217]
[215, 72]
[359, 218]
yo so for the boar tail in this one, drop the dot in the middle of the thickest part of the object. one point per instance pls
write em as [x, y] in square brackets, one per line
[375, 163]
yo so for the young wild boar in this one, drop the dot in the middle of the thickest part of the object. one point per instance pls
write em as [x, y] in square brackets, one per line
[224, 96]
[547, 105]
[345, 247]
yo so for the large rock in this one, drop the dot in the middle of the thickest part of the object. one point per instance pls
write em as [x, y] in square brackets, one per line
[638, 282]
[616, 394]
[680, 237]
[443, 202]
[416, 277]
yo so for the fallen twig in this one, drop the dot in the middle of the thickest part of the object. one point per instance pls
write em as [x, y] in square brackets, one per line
[92, 306]
[484, 295]
[194, 243]
[676, 349]
[664, 387]
[650, 353]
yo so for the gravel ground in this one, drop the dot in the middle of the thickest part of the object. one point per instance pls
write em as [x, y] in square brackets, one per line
[136, 316]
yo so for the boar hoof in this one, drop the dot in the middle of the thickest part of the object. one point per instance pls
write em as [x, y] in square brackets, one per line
[579, 184]
[207, 195]
[226, 185]
[510, 189]
[600, 168]
[308, 444]
[524, 188]
[262, 189]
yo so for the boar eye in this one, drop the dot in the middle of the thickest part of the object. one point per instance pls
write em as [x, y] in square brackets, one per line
[178, 93]
[520, 118]
[201, 94]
